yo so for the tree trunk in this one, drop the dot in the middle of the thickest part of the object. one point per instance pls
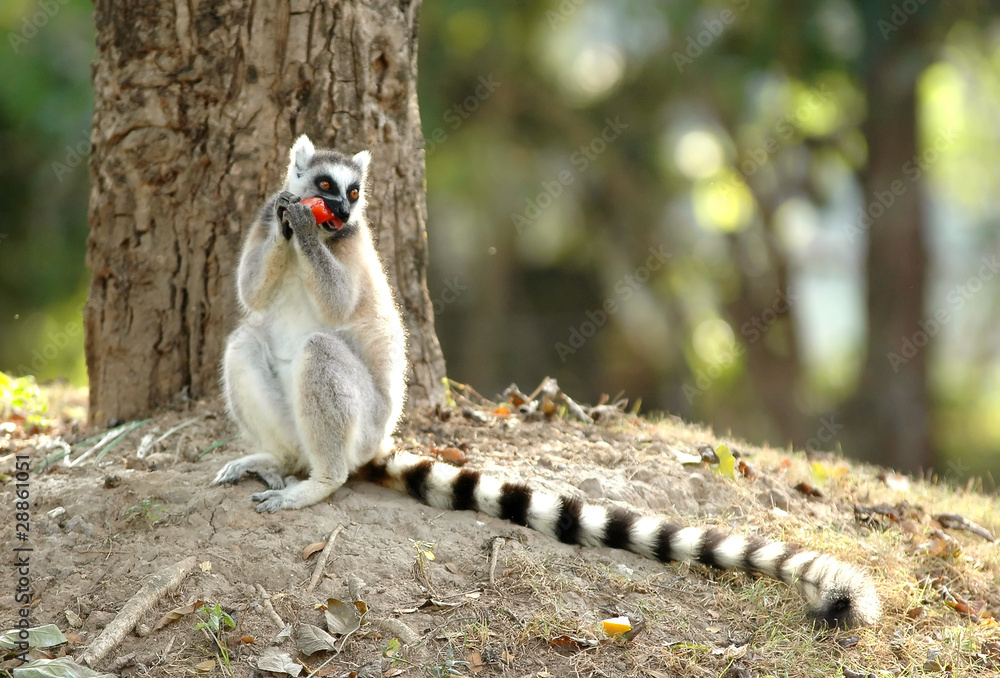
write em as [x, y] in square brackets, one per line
[196, 105]
[888, 421]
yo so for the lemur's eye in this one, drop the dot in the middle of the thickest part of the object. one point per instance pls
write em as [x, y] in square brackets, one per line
[354, 194]
[324, 184]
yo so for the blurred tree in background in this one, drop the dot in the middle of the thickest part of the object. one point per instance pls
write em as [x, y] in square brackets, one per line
[779, 217]
[45, 104]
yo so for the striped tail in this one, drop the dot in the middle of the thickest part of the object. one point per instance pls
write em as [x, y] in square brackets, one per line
[837, 593]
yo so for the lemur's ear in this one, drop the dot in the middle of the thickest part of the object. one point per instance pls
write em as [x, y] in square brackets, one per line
[362, 159]
[298, 160]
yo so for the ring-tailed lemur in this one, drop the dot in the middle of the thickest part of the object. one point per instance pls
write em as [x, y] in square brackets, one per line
[314, 375]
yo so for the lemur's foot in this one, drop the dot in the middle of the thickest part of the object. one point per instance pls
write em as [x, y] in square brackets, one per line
[296, 496]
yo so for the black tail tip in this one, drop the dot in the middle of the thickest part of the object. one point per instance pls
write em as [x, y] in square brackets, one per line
[838, 612]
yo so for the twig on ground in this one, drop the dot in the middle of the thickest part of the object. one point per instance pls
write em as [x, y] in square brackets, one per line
[121, 662]
[269, 608]
[468, 393]
[177, 428]
[145, 446]
[393, 628]
[144, 599]
[494, 556]
[321, 561]
[574, 408]
[105, 439]
[956, 522]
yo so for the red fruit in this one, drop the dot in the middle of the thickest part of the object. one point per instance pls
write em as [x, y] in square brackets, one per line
[321, 212]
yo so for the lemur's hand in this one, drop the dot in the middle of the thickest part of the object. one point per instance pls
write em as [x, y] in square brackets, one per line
[292, 215]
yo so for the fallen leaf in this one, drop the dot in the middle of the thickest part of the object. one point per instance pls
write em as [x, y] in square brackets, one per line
[312, 549]
[475, 662]
[177, 613]
[341, 618]
[727, 462]
[708, 455]
[819, 471]
[392, 648]
[452, 455]
[431, 604]
[205, 667]
[809, 490]
[637, 628]
[279, 663]
[63, 667]
[686, 459]
[572, 642]
[38, 636]
[311, 639]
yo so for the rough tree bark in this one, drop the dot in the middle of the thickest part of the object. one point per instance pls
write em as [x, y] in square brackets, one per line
[888, 420]
[196, 106]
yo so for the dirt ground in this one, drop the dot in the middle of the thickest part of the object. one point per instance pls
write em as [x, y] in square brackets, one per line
[496, 599]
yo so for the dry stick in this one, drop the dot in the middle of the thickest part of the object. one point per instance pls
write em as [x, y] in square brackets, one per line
[575, 409]
[494, 556]
[106, 438]
[269, 608]
[138, 605]
[394, 628]
[177, 428]
[321, 562]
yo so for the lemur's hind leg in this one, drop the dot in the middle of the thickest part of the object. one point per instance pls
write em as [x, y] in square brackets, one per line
[340, 417]
[260, 407]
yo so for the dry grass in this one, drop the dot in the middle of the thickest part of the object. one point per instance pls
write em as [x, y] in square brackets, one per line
[542, 616]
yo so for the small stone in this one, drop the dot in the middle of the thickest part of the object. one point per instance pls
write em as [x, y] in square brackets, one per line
[98, 619]
[73, 619]
[78, 524]
[774, 499]
[58, 515]
[593, 488]
[698, 486]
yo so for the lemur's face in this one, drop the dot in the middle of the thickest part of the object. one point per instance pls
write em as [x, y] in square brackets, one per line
[336, 178]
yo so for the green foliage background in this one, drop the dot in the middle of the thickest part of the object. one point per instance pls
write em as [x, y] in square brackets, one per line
[514, 97]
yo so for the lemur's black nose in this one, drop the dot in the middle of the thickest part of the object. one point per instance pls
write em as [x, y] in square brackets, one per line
[340, 208]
